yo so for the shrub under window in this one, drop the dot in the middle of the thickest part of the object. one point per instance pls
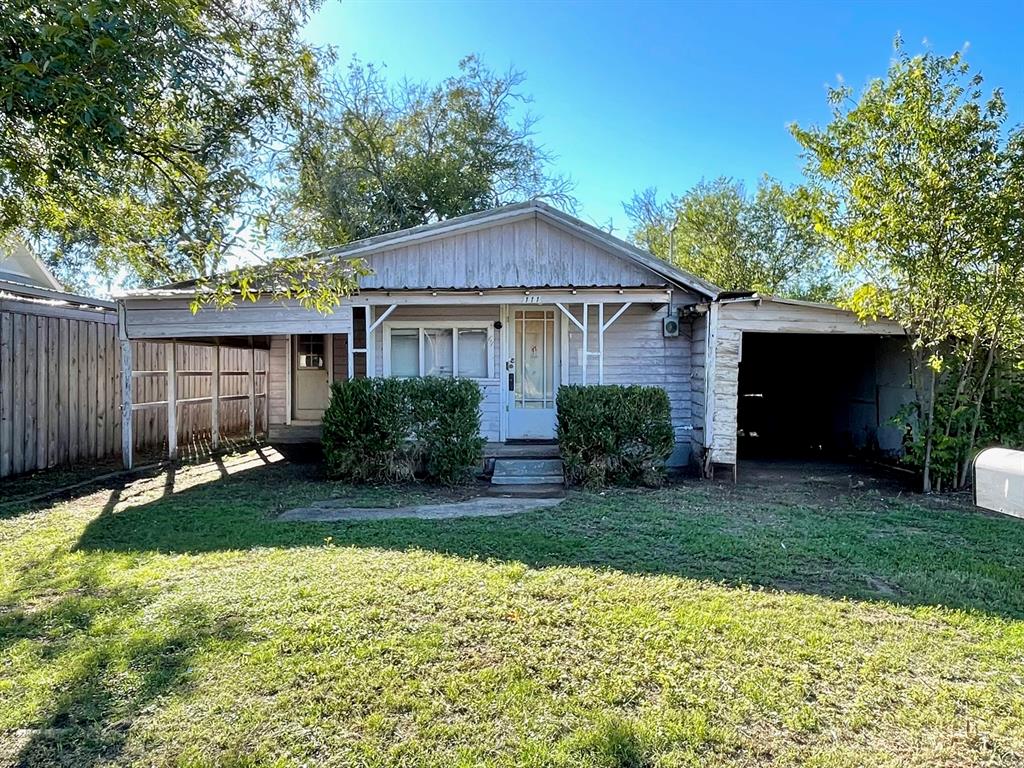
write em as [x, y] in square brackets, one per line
[383, 430]
[612, 434]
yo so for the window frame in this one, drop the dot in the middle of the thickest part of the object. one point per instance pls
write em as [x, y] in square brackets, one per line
[454, 326]
[300, 355]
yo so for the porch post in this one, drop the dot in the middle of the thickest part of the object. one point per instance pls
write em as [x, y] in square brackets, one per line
[172, 400]
[127, 439]
[586, 333]
[252, 390]
[215, 399]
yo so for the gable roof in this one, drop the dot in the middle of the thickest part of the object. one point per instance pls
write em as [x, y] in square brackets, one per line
[604, 241]
[19, 265]
[421, 258]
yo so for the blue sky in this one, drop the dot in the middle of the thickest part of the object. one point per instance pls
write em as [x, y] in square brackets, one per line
[641, 94]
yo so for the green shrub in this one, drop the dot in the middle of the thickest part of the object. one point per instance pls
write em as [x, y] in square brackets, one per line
[446, 425]
[382, 430]
[366, 431]
[614, 435]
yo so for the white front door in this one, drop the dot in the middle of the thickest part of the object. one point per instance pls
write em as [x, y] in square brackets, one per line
[533, 373]
[311, 389]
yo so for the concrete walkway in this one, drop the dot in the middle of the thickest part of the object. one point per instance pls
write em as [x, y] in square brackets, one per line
[332, 511]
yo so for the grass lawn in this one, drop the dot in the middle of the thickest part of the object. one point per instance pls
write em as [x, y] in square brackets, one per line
[172, 621]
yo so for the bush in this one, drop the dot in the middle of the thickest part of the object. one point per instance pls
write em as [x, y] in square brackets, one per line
[614, 435]
[382, 430]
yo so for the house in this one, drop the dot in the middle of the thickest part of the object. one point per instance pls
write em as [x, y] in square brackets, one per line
[523, 299]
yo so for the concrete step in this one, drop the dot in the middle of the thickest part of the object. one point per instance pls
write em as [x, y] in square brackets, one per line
[539, 491]
[520, 467]
[525, 479]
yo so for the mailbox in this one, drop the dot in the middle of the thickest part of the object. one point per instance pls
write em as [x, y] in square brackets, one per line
[999, 481]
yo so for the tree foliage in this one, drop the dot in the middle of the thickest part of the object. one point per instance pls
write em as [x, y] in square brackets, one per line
[919, 188]
[736, 240]
[379, 156]
[133, 133]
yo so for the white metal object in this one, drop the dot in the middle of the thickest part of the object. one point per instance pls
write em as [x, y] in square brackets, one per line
[999, 481]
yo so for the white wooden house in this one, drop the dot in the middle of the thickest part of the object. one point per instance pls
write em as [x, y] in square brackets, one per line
[522, 298]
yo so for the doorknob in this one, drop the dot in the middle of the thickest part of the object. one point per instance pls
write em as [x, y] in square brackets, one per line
[510, 366]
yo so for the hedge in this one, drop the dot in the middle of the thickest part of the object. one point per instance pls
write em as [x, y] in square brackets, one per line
[383, 430]
[611, 434]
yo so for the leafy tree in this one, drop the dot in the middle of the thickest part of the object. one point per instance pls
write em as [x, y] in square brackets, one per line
[760, 242]
[134, 133]
[379, 157]
[919, 188]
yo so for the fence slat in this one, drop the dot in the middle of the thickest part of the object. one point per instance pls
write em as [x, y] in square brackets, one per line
[28, 437]
[6, 391]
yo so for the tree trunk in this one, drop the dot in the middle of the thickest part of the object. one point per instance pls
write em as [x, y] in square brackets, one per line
[976, 419]
[929, 434]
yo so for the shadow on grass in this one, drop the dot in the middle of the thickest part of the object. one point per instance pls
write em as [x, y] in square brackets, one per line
[858, 545]
[101, 657]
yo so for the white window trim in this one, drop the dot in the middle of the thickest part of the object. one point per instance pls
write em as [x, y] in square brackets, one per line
[455, 326]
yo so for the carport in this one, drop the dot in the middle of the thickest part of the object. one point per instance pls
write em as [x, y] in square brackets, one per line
[789, 379]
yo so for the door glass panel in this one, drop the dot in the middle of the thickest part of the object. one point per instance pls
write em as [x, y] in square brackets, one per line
[535, 359]
[437, 352]
[405, 352]
[473, 353]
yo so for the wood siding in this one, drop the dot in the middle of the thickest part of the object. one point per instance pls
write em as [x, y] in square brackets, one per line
[528, 252]
[150, 318]
[60, 388]
[636, 351]
[698, 380]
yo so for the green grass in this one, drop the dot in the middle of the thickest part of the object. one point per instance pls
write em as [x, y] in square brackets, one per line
[172, 621]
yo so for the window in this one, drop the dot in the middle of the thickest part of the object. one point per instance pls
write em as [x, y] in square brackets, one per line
[310, 351]
[405, 352]
[473, 353]
[451, 350]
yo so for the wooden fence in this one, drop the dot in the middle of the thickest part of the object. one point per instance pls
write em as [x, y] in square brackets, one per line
[60, 388]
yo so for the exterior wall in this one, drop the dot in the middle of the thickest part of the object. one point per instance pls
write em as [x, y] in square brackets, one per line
[637, 352]
[762, 316]
[278, 378]
[490, 409]
[526, 252]
[164, 318]
[698, 383]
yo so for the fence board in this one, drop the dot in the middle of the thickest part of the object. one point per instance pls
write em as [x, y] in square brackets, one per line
[60, 391]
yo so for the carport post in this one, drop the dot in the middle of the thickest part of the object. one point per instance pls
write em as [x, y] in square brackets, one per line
[215, 398]
[172, 401]
[252, 390]
[126, 389]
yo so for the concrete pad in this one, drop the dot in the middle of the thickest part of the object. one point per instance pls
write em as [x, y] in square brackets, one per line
[482, 507]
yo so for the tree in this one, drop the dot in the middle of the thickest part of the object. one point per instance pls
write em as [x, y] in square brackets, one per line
[737, 241]
[380, 157]
[918, 188]
[133, 133]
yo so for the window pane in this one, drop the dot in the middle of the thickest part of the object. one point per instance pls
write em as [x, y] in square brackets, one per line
[405, 352]
[310, 351]
[473, 353]
[437, 352]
